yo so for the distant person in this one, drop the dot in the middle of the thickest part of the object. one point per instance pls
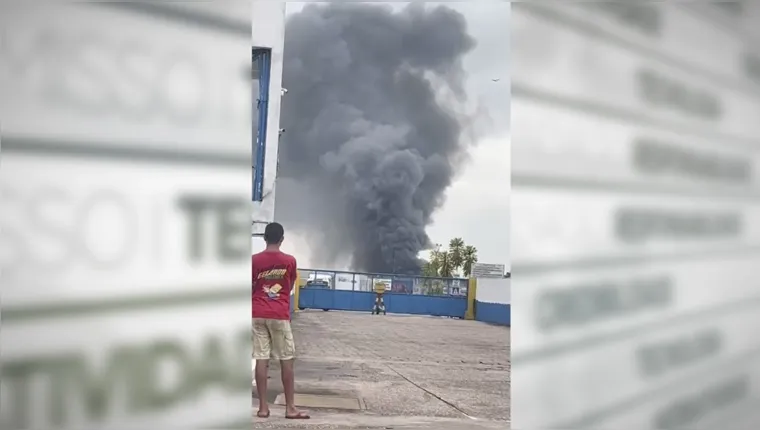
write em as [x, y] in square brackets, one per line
[379, 302]
[274, 274]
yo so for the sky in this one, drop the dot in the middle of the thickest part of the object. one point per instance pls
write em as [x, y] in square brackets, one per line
[478, 202]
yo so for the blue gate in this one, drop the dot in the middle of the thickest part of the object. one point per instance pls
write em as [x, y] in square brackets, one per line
[354, 291]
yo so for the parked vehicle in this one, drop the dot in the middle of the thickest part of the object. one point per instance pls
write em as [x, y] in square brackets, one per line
[317, 283]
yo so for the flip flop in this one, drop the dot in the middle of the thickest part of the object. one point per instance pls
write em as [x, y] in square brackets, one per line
[299, 416]
[260, 415]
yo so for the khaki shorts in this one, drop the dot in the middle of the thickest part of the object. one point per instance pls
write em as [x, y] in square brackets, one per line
[272, 339]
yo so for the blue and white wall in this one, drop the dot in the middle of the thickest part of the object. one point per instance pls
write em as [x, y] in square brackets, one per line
[268, 31]
[493, 298]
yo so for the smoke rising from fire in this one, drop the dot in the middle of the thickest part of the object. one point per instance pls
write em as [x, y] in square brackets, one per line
[373, 134]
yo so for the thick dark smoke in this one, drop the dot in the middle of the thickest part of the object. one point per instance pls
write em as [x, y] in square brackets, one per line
[369, 147]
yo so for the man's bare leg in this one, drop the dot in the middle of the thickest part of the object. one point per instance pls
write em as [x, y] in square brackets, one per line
[289, 384]
[262, 373]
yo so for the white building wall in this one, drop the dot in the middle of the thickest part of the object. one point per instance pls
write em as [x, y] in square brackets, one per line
[268, 31]
[84, 84]
[494, 290]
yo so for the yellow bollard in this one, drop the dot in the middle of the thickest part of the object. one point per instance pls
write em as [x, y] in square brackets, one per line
[472, 287]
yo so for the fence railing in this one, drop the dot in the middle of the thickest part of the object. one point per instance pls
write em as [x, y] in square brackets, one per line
[396, 284]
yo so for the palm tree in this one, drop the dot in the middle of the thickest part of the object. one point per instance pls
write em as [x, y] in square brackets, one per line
[469, 258]
[456, 250]
[431, 268]
[447, 269]
[440, 263]
[445, 263]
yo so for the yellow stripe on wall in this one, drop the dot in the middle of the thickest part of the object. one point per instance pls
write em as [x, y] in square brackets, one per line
[297, 289]
[471, 290]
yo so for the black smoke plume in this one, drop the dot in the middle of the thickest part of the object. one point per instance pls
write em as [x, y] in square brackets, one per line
[370, 145]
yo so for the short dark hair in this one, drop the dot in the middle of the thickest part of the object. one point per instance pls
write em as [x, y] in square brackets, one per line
[273, 233]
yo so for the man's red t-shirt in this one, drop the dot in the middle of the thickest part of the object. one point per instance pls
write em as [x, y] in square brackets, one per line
[274, 273]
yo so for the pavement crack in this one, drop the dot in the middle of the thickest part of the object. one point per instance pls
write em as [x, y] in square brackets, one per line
[441, 399]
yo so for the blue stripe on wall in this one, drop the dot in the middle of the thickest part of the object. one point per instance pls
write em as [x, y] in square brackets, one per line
[494, 313]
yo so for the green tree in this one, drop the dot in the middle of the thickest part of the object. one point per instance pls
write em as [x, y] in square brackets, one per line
[456, 253]
[469, 258]
[439, 263]
[447, 269]
[433, 266]
[435, 288]
[446, 263]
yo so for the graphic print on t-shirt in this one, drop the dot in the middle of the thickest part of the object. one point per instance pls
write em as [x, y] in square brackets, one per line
[274, 291]
[274, 274]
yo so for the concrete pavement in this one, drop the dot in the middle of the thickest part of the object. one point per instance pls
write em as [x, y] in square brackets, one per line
[338, 421]
[409, 372]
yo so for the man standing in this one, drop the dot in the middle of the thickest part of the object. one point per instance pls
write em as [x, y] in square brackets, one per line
[274, 274]
[379, 302]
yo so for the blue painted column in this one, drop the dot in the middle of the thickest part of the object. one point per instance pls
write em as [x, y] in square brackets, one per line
[263, 58]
